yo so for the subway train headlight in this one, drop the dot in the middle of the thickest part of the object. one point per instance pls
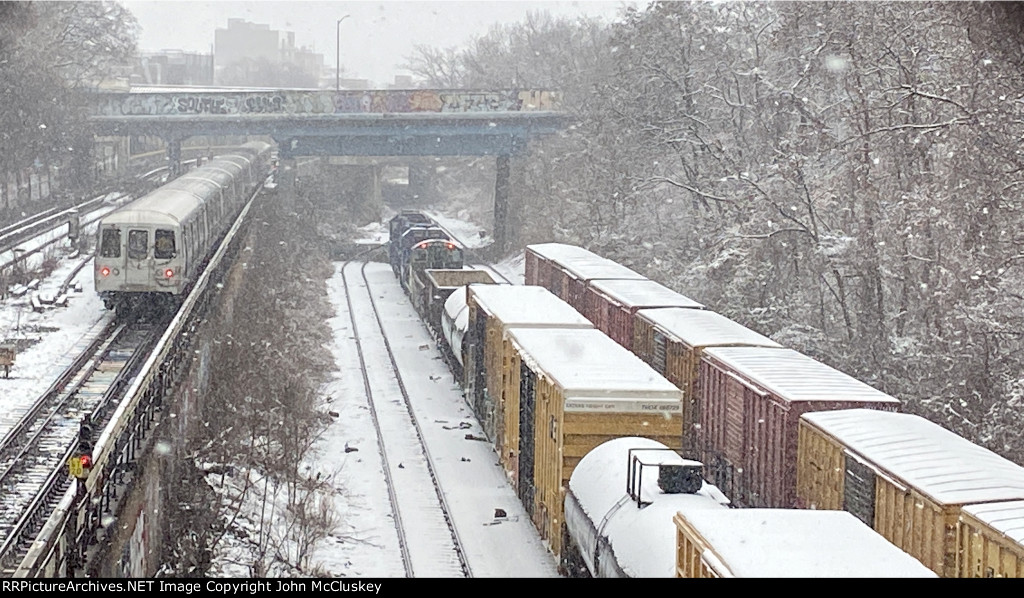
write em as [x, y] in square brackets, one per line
[104, 271]
[169, 273]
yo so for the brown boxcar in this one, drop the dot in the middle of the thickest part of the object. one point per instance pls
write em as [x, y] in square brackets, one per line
[672, 340]
[785, 543]
[751, 400]
[991, 540]
[902, 474]
[565, 270]
[612, 305]
[493, 310]
[576, 388]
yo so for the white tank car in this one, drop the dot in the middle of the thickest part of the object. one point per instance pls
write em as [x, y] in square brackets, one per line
[619, 508]
[153, 247]
[455, 321]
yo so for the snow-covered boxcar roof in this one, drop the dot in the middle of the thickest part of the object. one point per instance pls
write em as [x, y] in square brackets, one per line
[560, 252]
[527, 306]
[643, 539]
[798, 543]
[795, 376]
[703, 328]
[594, 372]
[582, 263]
[643, 293]
[924, 455]
[1006, 518]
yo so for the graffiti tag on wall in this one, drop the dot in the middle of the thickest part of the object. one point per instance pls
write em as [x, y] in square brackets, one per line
[293, 102]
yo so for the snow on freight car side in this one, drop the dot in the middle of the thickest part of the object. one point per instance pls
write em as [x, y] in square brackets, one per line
[577, 388]
[786, 543]
[612, 304]
[672, 341]
[493, 311]
[906, 476]
[750, 404]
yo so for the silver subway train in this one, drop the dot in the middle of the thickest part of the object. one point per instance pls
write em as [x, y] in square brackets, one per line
[152, 249]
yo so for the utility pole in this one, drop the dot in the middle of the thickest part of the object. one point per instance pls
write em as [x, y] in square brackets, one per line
[337, 55]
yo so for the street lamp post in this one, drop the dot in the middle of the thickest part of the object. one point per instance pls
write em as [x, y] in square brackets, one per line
[337, 56]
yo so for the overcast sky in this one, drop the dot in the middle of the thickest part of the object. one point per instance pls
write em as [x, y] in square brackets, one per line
[376, 37]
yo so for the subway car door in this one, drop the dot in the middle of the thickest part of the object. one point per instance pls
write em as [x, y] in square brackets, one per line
[137, 268]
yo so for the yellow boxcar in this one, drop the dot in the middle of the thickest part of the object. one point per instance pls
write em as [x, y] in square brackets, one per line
[991, 540]
[671, 340]
[494, 309]
[785, 543]
[575, 389]
[905, 476]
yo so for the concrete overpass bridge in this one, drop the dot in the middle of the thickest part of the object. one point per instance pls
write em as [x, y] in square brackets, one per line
[376, 123]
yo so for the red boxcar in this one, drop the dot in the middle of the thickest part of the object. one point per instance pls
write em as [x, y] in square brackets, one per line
[751, 402]
[565, 270]
[612, 305]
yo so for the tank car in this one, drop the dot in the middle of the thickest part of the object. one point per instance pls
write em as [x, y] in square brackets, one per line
[619, 508]
[154, 248]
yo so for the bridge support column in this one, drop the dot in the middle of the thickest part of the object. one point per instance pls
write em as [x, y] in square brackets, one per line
[287, 170]
[503, 170]
[82, 163]
[422, 184]
[174, 157]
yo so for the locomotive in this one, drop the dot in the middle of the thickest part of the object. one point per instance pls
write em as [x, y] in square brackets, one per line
[154, 248]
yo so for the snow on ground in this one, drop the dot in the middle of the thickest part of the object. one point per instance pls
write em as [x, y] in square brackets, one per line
[473, 483]
[363, 542]
[46, 342]
[470, 234]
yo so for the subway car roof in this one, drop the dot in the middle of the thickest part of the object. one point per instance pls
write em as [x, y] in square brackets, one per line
[174, 201]
[948, 468]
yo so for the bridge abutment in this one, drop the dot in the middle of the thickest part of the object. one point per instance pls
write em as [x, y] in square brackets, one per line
[422, 184]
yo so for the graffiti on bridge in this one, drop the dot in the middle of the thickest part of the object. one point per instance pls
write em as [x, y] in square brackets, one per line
[296, 102]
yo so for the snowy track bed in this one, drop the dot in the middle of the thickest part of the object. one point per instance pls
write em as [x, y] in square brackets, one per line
[498, 539]
[428, 543]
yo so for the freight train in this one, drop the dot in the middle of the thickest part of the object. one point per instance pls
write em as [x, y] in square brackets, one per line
[589, 351]
[153, 249]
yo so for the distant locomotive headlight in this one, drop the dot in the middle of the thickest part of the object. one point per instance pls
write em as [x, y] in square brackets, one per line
[105, 271]
[169, 273]
[116, 271]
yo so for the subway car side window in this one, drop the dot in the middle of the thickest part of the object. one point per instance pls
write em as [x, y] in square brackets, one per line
[110, 244]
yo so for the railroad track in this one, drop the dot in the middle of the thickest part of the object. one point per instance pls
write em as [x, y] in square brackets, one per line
[428, 540]
[34, 452]
[35, 233]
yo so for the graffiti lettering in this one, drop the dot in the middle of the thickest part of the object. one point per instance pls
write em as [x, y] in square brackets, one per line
[263, 104]
[327, 102]
[202, 105]
[477, 102]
